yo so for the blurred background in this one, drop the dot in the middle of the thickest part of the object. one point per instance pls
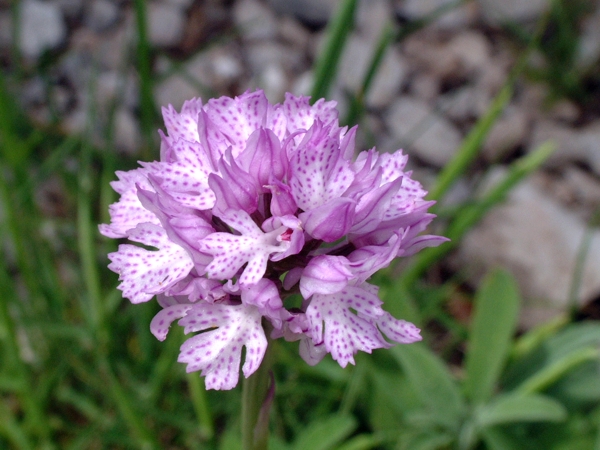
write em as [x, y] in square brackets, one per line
[496, 103]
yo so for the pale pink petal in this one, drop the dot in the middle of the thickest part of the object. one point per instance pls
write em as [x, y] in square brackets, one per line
[217, 351]
[231, 252]
[162, 321]
[319, 173]
[145, 273]
[186, 178]
[345, 332]
[237, 118]
[128, 212]
[398, 330]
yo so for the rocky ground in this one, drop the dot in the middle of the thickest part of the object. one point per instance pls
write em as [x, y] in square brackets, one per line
[77, 56]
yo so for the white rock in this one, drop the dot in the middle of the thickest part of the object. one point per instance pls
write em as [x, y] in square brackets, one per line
[255, 20]
[42, 27]
[497, 12]
[165, 24]
[422, 131]
[537, 240]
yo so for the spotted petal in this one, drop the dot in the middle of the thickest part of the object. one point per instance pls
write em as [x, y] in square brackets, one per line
[217, 351]
[186, 178]
[319, 173]
[145, 273]
[345, 332]
[231, 252]
[128, 212]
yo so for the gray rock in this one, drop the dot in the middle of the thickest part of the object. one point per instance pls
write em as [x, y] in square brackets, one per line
[313, 12]
[372, 16]
[70, 8]
[355, 63]
[388, 81]
[274, 81]
[42, 27]
[573, 145]
[165, 24]
[293, 32]
[496, 12]
[127, 131]
[588, 44]
[255, 20]
[465, 103]
[213, 69]
[507, 133]
[183, 4]
[5, 29]
[101, 14]
[537, 240]
[422, 131]
[457, 17]
[175, 90]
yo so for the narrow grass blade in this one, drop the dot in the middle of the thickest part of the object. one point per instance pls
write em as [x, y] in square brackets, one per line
[147, 107]
[12, 430]
[201, 405]
[327, 64]
[357, 103]
[554, 372]
[124, 404]
[472, 144]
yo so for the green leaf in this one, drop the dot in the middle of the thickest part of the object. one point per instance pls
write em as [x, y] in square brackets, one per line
[558, 369]
[496, 439]
[494, 321]
[515, 407]
[362, 442]
[426, 440]
[432, 382]
[325, 433]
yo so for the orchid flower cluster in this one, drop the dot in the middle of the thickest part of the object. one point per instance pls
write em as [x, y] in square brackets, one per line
[257, 221]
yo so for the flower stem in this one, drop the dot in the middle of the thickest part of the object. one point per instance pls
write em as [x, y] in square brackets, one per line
[257, 396]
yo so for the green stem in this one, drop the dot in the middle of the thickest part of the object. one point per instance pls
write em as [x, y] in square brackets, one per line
[257, 396]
